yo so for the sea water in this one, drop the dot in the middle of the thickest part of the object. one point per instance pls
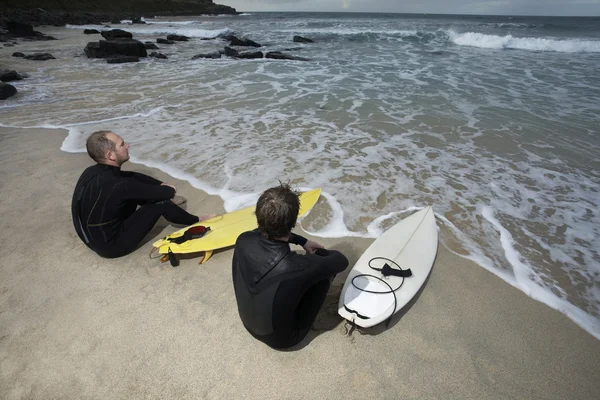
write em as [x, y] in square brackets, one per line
[492, 120]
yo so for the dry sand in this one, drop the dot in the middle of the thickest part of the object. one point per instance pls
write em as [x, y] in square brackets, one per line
[76, 326]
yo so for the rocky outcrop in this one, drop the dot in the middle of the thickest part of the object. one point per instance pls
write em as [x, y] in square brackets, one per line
[122, 59]
[90, 31]
[277, 55]
[18, 54]
[235, 41]
[229, 52]
[251, 55]
[114, 48]
[164, 41]
[300, 39]
[82, 12]
[6, 91]
[16, 29]
[178, 38]
[40, 57]
[150, 46]
[154, 54]
[9, 76]
[116, 34]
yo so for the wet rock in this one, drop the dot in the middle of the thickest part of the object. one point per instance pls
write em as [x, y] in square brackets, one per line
[40, 57]
[90, 31]
[137, 20]
[110, 49]
[20, 29]
[25, 30]
[18, 54]
[178, 38]
[164, 41]
[229, 52]
[116, 34]
[277, 55]
[6, 91]
[251, 55]
[234, 41]
[8, 76]
[213, 55]
[150, 46]
[122, 59]
[154, 54]
[300, 39]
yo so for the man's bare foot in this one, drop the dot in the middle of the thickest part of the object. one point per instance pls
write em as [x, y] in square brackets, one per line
[178, 200]
[205, 217]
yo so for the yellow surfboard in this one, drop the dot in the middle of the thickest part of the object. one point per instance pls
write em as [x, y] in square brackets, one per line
[225, 229]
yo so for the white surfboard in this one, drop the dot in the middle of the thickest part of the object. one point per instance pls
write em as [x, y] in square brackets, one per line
[410, 244]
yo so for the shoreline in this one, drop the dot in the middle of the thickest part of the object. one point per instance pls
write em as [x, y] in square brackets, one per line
[75, 325]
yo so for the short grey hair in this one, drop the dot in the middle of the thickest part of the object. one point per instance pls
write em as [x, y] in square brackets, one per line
[98, 144]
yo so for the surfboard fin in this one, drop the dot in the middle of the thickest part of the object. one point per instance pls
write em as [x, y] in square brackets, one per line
[207, 255]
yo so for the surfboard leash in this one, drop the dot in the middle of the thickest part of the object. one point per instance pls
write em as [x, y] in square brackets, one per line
[386, 271]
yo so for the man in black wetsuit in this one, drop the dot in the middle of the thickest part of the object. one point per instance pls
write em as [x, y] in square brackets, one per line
[106, 200]
[280, 292]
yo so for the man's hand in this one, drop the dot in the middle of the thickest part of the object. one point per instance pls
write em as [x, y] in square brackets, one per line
[166, 184]
[310, 247]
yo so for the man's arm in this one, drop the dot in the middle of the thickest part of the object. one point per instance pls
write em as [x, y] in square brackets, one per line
[309, 246]
[324, 263]
[135, 190]
[141, 177]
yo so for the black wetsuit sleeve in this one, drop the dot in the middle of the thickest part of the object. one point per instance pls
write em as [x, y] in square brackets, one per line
[141, 177]
[135, 190]
[297, 239]
[324, 263]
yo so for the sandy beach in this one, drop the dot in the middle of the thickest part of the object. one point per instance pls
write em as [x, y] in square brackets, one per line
[76, 326]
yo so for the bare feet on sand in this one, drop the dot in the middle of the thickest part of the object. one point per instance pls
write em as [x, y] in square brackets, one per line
[178, 200]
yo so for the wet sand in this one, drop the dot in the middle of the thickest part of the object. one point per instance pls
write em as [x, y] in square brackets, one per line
[76, 326]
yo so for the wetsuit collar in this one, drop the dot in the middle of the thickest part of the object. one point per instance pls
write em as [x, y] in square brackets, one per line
[260, 255]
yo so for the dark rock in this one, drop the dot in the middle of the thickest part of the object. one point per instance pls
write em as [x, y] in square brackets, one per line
[178, 38]
[7, 91]
[24, 30]
[251, 55]
[116, 34]
[20, 29]
[164, 41]
[115, 20]
[277, 55]
[300, 39]
[213, 55]
[150, 46]
[122, 59]
[90, 31]
[18, 54]
[109, 49]
[154, 54]
[243, 42]
[293, 49]
[229, 52]
[8, 76]
[40, 56]
[137, 20]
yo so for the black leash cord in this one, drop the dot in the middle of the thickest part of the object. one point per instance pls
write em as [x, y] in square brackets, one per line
[393, 291]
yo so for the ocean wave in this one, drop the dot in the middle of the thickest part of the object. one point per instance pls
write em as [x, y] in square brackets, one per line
[165, 28]
[475, 39]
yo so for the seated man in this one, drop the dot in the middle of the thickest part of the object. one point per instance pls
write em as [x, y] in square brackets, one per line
[280, 292]
[105, 202]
